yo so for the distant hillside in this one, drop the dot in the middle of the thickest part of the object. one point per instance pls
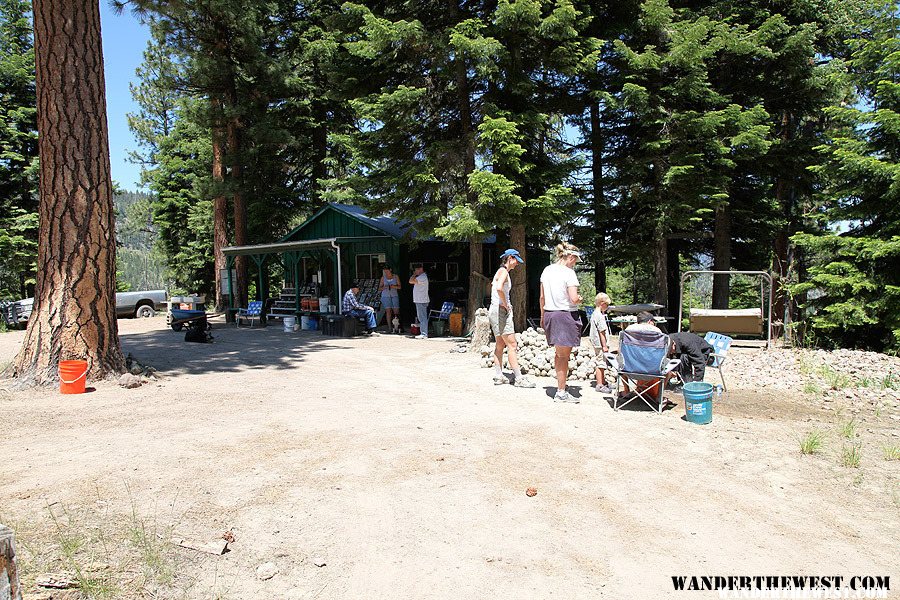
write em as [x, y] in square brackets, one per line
[140, 264]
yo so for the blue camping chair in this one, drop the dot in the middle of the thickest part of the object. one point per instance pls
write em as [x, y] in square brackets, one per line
[643, 356]
[443, 314]
[253, 311]
[721, 344]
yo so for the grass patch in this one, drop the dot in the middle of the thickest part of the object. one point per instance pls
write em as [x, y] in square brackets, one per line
[851, 454]
[152, 547]
[108, 554]
[77, 552]
[811, 387]
[890, 382]
[848, 429]
[891, 452]
[812, 442]
[833, 378]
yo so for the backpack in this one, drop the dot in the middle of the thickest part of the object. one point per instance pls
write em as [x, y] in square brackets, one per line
[198, 332]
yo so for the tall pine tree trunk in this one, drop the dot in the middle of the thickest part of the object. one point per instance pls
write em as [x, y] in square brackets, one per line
[660, 269]
[781, 266]
[721, 256]
[240, 210]
[476, 249]
[673, 275]
[74, 313]
[599, 200]
[220, 209]
[519, 277]
[319, 154]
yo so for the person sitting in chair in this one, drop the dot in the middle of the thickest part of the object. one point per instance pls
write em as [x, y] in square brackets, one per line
[350, 306]
[645, 321]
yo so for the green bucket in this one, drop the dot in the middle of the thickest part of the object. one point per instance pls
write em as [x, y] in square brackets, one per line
[439, 328]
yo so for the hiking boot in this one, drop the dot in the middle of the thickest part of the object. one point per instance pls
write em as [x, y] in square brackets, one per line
[565, 396]
[524, 382]
[500, 379]
[604, 389]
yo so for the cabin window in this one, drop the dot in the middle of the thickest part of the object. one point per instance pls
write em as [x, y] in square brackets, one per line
[368, 266]
[439, 271]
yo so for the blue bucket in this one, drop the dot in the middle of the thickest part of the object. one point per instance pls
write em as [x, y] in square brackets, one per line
[698, 402]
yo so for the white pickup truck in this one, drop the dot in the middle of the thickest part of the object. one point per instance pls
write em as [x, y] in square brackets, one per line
[128, 304]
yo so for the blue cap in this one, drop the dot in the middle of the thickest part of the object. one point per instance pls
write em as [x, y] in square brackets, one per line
[512, 252]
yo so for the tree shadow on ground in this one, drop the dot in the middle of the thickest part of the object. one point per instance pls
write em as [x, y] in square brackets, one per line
[232, 349]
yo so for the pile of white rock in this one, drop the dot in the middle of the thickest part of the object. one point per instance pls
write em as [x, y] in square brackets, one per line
[536, 357]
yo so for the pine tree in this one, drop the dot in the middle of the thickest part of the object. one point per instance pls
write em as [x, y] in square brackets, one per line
[855, 272]
[685, 134]
[74, 315]
[18, 151]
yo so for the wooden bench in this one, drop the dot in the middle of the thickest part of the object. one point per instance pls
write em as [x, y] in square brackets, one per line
[747, 321]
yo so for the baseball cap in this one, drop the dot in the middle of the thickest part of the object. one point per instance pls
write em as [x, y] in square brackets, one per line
[512, 252]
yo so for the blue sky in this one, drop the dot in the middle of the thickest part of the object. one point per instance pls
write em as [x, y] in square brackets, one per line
[124, 41]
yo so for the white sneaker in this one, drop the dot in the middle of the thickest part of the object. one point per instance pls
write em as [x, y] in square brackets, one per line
[421, 336]
[500, 379]
[564, 396]
[524, 382]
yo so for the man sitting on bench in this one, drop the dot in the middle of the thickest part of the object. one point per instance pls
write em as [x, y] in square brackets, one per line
[350, 306]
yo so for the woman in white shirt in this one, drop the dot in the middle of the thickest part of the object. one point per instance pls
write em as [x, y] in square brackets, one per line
[560, 302]
[501, 317]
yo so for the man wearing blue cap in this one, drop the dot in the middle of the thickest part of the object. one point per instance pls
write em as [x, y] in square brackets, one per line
[501, 317]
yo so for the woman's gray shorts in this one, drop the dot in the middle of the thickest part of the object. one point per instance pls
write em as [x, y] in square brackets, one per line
[501, 320]
[562, 328]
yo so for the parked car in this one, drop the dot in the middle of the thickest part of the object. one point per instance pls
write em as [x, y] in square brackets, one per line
[140, 304]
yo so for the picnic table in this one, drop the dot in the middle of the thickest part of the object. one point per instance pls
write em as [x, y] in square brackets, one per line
[633, 309]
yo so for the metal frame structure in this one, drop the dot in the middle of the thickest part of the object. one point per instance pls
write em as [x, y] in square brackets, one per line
[764, 277]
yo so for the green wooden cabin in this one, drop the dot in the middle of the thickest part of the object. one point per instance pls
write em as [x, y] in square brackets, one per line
[341, 243]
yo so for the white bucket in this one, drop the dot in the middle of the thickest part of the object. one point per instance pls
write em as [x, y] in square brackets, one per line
[304, 322]
[323, 307]
[325, 301]
[289, 323]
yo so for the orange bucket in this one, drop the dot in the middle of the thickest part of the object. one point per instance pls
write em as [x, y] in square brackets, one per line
[72, 375]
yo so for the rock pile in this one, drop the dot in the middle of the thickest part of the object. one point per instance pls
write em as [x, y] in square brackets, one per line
[536, 357]
[852, 375]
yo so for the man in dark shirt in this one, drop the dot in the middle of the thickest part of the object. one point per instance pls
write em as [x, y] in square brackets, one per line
[694, 353]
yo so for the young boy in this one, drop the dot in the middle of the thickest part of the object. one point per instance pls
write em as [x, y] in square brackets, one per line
[598, 339]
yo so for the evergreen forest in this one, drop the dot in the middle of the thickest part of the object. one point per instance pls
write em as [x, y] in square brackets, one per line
[657, 135]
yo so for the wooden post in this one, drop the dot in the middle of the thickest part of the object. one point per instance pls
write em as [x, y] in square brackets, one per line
[9, 577]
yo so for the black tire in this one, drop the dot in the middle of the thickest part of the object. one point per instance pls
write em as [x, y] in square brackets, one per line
[177, 326]
[145, 311]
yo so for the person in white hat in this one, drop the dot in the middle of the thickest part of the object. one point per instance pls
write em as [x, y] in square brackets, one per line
[501, 317]
[560, 303]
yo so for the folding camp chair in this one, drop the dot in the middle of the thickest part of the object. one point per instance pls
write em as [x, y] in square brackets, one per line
[588, 311]
[443, 314]
[253, 311]
[643, 356]
[720, 344]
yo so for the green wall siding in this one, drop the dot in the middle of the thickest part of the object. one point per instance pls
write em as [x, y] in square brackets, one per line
[331, 224]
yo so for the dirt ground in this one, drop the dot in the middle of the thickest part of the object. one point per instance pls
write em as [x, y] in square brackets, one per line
[402, 468]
